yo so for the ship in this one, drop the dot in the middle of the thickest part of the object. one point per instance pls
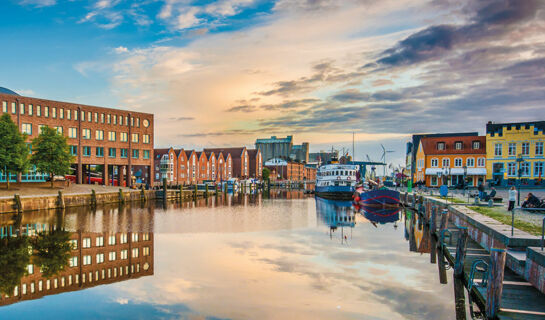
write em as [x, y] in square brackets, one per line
[336, 181]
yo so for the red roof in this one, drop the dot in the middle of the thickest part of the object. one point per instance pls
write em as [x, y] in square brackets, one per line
[430, 145]
[235, 152]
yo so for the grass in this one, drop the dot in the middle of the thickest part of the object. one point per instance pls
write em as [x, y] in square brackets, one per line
[504, 217]
[451, 200]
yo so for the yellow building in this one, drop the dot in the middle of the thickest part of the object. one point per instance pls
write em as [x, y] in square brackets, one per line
[513, 150]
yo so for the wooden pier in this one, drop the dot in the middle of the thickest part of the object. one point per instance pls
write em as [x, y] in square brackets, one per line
[497, 290]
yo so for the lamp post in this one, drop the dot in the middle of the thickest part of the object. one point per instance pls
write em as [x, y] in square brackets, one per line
[464, 181]
[519, 162]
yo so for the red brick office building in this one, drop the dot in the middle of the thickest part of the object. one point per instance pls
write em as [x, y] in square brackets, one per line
[110, 146]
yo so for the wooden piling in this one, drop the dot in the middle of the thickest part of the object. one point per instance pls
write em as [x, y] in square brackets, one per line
[460, 299]
[441, 264]
[195, 189]
[444, 219]
[143, 195]
[206, 191]
[121, 196]
[181, 193]
[495, 282]
[164, 189]
[18, 205]
[433, 225]
[60, 200]
[93, 198]
[460, 253]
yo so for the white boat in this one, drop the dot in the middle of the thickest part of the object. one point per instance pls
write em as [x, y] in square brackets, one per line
[336, 181]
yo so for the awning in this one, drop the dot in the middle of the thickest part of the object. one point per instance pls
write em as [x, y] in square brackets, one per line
[456, 171]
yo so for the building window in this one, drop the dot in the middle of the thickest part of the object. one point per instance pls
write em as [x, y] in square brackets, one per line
[135, 153]
[72, 133]
[96, 117]
[134, 237]
[112, 256]
[27, 128]
[123, 238]
[73, 261]
[69, 114]
[135, 252]
[145, 251]
[538, 169]
[61, 113]
[99, 134]
[100, 258]
[525, 168]
[111, 240]
[145, 236]
[512, 149]
[86, 243]
[59, 130]
[124, 152]
[4, 106]
[458, 145]
[46, 112]
[123, 137]
[470, 162]
[481, 162]
[498, 149]
[22, 108]
[82, 116]
[539, 148]
[145, 154]
[124, 254]
[102, 118]
[54, 113]
[99, 241]
[512, 169]
[30, 110]
[525, 148]
[87, 151]
[86, 133]
[30, 269]
[13, 108]
[73, 150]
[74, 244]
[134, 137]
[38, 111]
[111, 152]
[111, 136]
[100, 151]
[446, 162]
[86, 260]
[145, 138]
[120, 120]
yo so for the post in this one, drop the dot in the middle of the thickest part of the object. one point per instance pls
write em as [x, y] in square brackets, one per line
[195, 192]
[512, 221]
[444, 219]
[181, 193]
[61, 200]
[17, 200]
[542, 234]
[441, 265]
[121, 196]
[164, 189]
[93, 198]
[495, 282]
[142, 195]
[206, 190]
[433, 226]
[459, 298]
[460, 253]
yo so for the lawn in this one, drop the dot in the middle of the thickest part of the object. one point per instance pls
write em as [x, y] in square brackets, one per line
[451, 200]
[504, 217]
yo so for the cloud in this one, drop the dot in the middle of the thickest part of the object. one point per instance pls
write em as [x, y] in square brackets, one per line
[182, 118]
[121, 49]
[38, 3]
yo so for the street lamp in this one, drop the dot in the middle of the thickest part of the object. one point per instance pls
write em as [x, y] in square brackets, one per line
[464, 181]
[520, 160]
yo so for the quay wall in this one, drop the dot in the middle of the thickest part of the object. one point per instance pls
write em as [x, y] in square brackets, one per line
[535, 268]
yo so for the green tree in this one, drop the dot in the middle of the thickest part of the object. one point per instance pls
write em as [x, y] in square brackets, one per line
[51, 251]
[13, 149]
[51, 153]
[265, 173]
[14, 259]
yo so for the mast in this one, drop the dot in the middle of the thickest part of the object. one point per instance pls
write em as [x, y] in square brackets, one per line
[353, 154]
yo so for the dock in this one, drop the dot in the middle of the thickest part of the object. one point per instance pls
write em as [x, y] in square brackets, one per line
[492, 265]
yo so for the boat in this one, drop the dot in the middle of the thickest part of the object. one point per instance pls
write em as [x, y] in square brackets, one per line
[380, 215]
[336, 181]
[377, 197]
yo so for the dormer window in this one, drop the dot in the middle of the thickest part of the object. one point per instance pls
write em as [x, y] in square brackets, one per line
[458, 145]
[440, 146]
[476, 145]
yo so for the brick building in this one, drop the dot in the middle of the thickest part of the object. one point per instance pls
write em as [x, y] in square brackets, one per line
[96, 259]
[238, 163]
[290, 170]
[110, 146]
[255, 159]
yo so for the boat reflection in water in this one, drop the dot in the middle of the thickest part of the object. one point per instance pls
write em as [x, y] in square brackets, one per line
[336, 214]
[380, 215]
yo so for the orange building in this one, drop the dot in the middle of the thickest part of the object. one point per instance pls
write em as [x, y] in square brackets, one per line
[446, 160]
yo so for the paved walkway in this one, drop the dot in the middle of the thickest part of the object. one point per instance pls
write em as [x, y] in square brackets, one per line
[35, 191]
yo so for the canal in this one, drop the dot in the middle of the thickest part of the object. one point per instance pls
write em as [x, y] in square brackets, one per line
[286, 256]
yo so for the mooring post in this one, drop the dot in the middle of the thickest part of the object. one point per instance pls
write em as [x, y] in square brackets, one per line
[433, 226]
[164, 188]
[461, 247]
[441, 264]
[195, 188]
[121, 196]
[433, 248]
[61, 200]
[206, 190]
[444, 219]
[18, 205]
[142, 195]
[460, 299]
[181, 193]
[495, 282]
[93, 198]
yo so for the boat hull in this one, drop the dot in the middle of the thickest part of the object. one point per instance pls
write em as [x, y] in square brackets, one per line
[382, 197]
[335, 192]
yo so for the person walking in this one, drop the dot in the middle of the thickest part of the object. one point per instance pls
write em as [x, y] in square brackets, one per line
[512, 198]
[481, 191]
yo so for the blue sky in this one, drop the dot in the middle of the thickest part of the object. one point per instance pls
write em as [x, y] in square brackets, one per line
[226, 72]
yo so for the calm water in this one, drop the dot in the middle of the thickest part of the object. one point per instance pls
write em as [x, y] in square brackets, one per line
[289, 257]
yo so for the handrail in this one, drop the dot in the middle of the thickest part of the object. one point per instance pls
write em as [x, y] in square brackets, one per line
[484, 272]
[527, 209]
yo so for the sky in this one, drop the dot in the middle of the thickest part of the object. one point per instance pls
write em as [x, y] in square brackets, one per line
[223, 73]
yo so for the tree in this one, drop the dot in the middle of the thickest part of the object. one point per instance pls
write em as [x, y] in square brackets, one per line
[14, 259]
[13, 149]
[51, 153]
[52, 251]
[265, 173]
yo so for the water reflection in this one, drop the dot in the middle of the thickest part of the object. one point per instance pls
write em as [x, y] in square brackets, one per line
[234, 257]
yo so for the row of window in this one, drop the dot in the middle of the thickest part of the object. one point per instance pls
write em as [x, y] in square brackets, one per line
[512, 149]
[335, 173]
[112, 256]
[70, 279]
[112, 152]
[459, 145]
[87, 134]
[73, 114]
[458, 162]
[525, 169]
[112, 240]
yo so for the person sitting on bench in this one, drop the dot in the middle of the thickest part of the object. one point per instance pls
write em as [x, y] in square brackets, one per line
[488, 197]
